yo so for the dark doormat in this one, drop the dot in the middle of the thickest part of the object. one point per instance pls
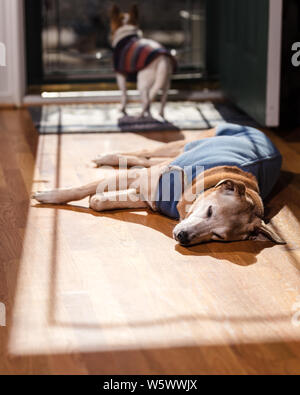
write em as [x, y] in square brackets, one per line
[106, 118]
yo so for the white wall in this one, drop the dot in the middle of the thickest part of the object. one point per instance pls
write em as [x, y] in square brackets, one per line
[12, 77]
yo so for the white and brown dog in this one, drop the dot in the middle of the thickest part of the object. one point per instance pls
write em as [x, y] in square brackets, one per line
[136, 56]
[227, 175]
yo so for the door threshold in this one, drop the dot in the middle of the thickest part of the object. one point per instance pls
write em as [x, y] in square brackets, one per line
[99, 97]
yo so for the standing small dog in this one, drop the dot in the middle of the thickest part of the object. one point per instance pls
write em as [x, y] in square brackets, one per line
[135, 55]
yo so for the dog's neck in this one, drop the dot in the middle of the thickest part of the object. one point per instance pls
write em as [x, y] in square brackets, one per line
[125, 31]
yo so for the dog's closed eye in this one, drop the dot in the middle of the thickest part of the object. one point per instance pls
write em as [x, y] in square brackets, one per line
[209, 212]
[218, 236]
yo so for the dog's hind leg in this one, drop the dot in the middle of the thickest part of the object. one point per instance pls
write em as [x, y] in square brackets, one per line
[145, 80]
[162, 79]
[121, 81]
[126, 160]
[145, 157]
[164, 99]
[145, 97]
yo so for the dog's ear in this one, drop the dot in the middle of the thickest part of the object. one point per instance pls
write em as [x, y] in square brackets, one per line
[189, 197]
[115, 12]
[183, 207]
[134, 15]
[234, 186]
[265, 233]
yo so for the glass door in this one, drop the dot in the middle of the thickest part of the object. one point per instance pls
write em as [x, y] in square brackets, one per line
[74, 36]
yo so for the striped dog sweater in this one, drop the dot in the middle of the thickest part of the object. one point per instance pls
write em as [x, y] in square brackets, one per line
[133, 53]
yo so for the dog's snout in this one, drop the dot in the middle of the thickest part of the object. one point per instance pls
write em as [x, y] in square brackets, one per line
[183, 238]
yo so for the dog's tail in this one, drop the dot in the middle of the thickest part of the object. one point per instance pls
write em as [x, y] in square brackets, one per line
[163, 72]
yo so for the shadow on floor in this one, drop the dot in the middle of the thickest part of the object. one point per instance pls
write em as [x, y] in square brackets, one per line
[136, 124]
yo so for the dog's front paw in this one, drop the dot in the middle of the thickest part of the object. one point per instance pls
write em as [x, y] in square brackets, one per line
[106, 160]
[45, 197]
[97, 202]
[55, 196]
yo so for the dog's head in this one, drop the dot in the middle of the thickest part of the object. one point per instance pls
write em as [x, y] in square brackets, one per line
[119, 19]
[223, 213]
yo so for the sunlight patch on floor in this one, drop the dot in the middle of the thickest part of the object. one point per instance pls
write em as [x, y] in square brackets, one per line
[118, 281]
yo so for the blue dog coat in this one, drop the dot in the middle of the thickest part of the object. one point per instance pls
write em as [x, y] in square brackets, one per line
[245, 147]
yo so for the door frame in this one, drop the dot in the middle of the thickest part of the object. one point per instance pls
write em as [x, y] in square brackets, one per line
[274, 63]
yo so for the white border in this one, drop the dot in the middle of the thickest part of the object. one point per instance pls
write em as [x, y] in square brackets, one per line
[274, 63]
[12, 19]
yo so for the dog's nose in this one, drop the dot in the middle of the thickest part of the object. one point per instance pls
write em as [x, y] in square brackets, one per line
[183, 238]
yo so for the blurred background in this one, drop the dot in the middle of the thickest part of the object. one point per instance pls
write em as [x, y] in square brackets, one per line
[239, 50]
[75, 41]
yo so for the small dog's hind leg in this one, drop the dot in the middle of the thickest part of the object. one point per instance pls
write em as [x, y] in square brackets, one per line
[146, 103]
[145, 80]
[121, 81]
[164, 99]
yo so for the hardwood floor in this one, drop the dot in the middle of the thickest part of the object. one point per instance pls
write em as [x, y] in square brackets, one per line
[112, 293]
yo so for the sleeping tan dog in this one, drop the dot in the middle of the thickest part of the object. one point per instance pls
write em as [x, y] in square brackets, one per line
[222, 202]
